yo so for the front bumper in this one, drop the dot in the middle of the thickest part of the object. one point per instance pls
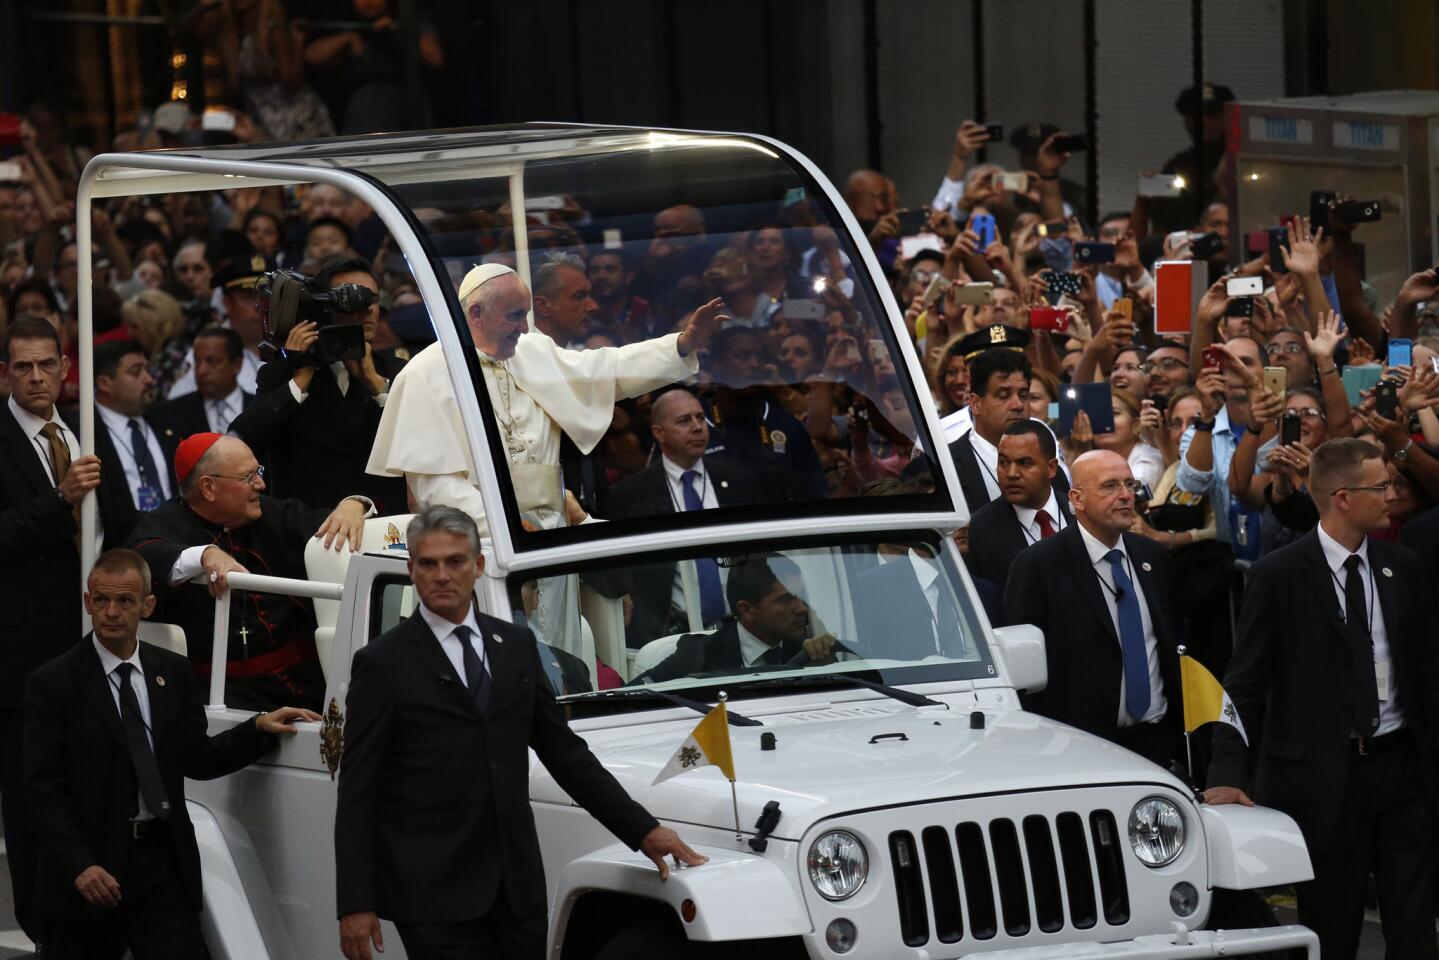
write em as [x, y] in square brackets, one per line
[1180, 945]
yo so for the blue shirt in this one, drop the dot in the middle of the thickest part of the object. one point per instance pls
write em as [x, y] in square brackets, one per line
[1229, 516]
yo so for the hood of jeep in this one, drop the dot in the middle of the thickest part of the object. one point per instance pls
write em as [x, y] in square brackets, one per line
[834, 761]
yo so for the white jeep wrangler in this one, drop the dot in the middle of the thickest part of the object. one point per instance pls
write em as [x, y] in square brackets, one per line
[896, 802]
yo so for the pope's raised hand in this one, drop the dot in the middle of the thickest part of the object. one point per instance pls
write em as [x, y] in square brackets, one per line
[701, 326]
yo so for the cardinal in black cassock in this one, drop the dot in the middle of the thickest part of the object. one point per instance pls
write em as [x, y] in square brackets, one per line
[271, 656]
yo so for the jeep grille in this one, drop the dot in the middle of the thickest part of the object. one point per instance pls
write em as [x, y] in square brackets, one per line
[1024, 875]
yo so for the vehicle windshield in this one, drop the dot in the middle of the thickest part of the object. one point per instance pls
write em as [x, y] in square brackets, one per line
[745, 618]
[799, 405]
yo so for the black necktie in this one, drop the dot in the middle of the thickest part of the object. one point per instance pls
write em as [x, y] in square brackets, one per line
[1361, 650]
[147, 771]
[476, 677]
[149, 476]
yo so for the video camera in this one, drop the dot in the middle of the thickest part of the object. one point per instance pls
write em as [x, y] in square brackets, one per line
[288, 297]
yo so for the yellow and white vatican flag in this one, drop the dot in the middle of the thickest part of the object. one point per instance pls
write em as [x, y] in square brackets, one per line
[707, 746]
[1205, 700]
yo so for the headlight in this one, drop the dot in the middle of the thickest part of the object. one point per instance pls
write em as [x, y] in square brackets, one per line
[838, 865]
[1156, 831]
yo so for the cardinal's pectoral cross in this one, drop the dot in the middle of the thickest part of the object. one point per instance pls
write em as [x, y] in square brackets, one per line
[244, 641]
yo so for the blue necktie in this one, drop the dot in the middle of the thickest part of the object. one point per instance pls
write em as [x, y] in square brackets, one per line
[1131, 640]
[711, 594]
[477, 678]
[149, 476]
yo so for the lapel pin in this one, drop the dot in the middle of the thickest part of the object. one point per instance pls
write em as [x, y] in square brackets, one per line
[497, 638]
[725, 484]
[1387, 572]
[1145, 567]
[160, 681]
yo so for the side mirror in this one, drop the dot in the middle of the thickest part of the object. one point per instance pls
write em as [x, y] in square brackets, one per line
[1023, 648]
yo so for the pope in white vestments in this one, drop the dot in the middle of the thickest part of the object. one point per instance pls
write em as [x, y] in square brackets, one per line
[537, 389]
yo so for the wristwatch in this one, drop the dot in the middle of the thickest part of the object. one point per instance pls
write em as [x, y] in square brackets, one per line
[1203, 426]
[1403, 455]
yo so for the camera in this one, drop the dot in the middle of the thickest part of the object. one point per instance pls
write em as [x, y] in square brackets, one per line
[1205, 245]
[288, 297]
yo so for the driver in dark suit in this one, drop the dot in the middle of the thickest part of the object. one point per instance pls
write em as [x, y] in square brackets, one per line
[769, 630]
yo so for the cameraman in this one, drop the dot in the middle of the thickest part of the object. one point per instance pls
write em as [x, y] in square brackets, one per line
[314, 421]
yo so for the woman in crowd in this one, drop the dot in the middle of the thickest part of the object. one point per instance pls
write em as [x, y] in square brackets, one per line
[731, 277]
[769, 258]
[155, 321]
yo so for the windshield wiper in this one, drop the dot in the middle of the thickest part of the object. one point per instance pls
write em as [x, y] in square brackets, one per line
[735, 719]
[896, 693]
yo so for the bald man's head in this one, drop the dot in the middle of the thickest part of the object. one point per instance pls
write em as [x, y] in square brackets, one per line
[867, 193]
[678, 424]
[1101, 495]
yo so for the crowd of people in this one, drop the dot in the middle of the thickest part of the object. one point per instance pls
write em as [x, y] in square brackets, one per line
[723, 367]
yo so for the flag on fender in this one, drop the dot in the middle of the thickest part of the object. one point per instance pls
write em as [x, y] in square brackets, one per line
[1205, 700]
[707, 746]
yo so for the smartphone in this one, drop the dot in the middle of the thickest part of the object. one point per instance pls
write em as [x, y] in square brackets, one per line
[1125, 306]
[1276, 380]
[1055, 228]
[1386, 399]
[549, 201]
[1358, 379]
[1089, 252]
[1071, 143]
[934, 291]
[877, 351]
[975, 294]
[1063, 281]
[1289, 428]
[1095, 399]
[1203, 246]
[1278, 239]
[219, 120]
[1048, 318]
[1013, 182]
[1214, 357]
[1244, 286]
[995, 131]
[10, 171]
[1144, 495]
[1401, 353]
[1239, 307]
[912, 222]
[1160, 185]
[800, 302]
[1319, 203]
[983, 226]
[1358, 211]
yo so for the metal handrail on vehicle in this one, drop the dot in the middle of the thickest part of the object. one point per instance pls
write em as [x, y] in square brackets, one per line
[257, 583]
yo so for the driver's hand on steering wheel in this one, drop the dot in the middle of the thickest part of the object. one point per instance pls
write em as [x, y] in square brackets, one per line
[820, 650]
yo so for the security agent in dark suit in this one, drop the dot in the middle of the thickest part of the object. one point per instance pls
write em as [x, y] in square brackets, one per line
[314, 422]
[433, 827]
[1028, 510]
[113, 728]
[769, 630]
[217, 399]
[1098, 593]
[1336, 678]
[41, 486]
[124, 439]
[998, 396]
[680, 479]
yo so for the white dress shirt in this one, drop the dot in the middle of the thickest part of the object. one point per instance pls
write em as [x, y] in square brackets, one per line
[444, 632]
[751, 647]
[119, 426]
[341, 373]
[674, 479]
[927, 574]
[1029, 517]
[31, 426]
[1391, 718]
[250, 364]
[957, 424]
[988, 456]
[222, 412]
[109, 663]
[1097, 551]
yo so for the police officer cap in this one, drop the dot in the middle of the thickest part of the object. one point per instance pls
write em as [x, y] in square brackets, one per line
[1030, 137]
[242, 272]
[1210, 98]
[993, 337]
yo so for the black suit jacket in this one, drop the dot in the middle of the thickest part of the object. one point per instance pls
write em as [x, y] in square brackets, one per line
[79, 780]
[996, 538]
[894, 617]
[1421, 534]
[708, 653]
[647, 494]
[317, 450]
[174, 420]
[1291, 680]
[39, 562]
[113, 471]
[1053, 585]
[971, 475]
[433, 820]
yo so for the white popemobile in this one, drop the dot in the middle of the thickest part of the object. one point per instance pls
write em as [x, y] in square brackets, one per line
[893, 802]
